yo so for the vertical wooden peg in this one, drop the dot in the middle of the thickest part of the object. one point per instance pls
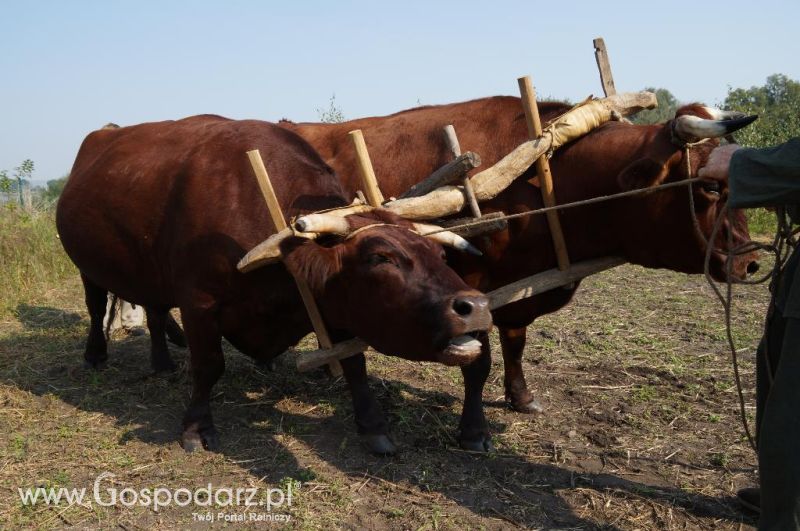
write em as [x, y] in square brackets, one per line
[279, 221]
[455, 148]
[543, 170]
[368, 180]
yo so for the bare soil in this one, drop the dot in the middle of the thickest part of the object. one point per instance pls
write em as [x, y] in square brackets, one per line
[641, 430]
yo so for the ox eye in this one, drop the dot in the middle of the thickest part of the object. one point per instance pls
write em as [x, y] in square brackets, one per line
[378, 258]
[710, 187]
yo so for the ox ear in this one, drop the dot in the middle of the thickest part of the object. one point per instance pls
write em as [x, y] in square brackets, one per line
[643, 173]
[313, 262]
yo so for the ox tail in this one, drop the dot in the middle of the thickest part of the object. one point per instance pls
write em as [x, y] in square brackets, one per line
[114, 307]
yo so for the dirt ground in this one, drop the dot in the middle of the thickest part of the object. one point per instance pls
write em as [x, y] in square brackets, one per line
[641, 430]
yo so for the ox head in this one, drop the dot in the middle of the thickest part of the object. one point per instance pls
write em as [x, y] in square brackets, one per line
[675, 151]
[377, 276]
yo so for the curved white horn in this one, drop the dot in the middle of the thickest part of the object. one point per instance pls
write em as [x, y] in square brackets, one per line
[266, 252]
[719, 114]
[693, 128]
[451, 239]
[322, 223]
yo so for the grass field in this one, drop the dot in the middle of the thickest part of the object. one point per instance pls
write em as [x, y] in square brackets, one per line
[641, 430]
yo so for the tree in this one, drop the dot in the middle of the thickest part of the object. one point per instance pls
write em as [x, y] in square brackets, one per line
[333, 114]
[23, 172]
[667, 105]
[778, 105]
[54, 189]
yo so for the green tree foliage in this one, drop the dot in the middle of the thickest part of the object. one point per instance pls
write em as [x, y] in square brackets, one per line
[54, 189]
[667, 105]
[22, 176]
[778, 105]
[333, 114]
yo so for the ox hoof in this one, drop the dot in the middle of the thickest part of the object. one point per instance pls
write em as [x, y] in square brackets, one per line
[379, 444]
[95, 365]
[527, 407]
[176, 336]
[482, 445]
[164, 365]
[206, 440]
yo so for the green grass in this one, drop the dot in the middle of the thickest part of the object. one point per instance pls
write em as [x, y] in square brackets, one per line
[761, 222]
[31, 257]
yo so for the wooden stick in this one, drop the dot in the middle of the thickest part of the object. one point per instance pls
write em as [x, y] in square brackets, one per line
[450, 173]
[550, 279]
[273, 206]
[368, 179]
[601, 55]
[317, 358]
[451, 139]
[477, 230]
[276, 213]
[455, 148]
[516, 291]
[543, 170]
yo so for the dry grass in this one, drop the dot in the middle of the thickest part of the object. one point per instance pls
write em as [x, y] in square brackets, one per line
[641, 430]
[31, 257]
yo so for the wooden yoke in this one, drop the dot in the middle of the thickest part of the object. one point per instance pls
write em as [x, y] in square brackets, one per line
[279, 221]
[543, 170]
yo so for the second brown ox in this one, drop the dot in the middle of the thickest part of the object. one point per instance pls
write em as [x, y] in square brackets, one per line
[654, 230]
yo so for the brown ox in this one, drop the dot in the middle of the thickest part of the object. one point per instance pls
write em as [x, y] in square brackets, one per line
[160, 213]
[653, 230]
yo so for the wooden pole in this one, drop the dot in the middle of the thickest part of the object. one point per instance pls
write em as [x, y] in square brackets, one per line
[601, 55]
[455, 148]
[273, 206]
[543, 170]
[279, 221]
[368, 179]
[452, 172]
[516, 291]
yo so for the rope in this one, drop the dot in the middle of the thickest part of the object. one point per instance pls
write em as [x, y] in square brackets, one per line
[584, 202]
[780, 247]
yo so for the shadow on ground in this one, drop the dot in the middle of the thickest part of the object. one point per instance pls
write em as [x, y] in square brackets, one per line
[256, 412]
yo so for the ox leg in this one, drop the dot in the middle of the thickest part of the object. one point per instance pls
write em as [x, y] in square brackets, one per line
[474, 430]
[369, 416]
[206, 366]
[159, 353]
[175, 332]
[518, 396]
[96, 352]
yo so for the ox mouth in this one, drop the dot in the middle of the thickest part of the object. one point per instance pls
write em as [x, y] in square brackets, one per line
[462, 350]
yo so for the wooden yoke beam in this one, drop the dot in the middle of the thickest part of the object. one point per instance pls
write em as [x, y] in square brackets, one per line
[279, 221]
[543, 170]
[368, 179]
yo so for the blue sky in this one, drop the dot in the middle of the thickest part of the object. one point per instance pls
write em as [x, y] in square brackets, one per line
[67, 68]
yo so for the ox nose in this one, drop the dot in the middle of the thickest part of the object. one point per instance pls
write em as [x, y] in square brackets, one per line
[473, 309]
[752, 268]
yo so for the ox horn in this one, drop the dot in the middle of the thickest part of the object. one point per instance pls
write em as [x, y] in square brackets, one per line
[322, 223]
[693, 128]
[266, 252]
[445, 237]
